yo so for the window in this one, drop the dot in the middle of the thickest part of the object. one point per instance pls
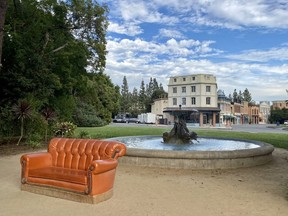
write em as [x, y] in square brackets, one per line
[174, 101]
[183, 101]
[174, 89]
[208, 100]
[193, 100]
[175, 80]
[193, 88]
[193, 78]
[184, 79]
[208, 88]
[183, 89]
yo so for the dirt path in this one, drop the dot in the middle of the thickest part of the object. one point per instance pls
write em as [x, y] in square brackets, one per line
[253, 191]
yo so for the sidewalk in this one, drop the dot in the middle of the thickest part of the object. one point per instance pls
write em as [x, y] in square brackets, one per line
[142, 191]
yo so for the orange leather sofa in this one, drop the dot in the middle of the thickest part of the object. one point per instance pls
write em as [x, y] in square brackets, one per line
[86, 166]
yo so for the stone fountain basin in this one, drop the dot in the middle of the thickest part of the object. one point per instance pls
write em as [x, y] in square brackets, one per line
[204, 159]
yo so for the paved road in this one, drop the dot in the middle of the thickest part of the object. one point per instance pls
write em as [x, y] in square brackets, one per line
[260, 128]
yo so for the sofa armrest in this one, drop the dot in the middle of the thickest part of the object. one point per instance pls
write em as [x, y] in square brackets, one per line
[100, 166]
[119, 150]
[34, 161]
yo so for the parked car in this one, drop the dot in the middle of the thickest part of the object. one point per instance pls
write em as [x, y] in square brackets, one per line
[119, 120]
[132, 120]
[286, 122]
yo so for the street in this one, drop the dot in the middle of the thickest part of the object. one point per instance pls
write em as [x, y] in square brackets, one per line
[252, 128]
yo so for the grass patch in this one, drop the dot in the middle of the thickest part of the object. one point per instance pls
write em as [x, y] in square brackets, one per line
[277, 140]
[118, 131]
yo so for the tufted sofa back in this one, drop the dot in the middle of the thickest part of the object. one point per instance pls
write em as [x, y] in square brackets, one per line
[79, 153]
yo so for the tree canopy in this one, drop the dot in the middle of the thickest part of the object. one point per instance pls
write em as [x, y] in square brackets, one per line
[239, 97]
[54, 54]
[137, 102]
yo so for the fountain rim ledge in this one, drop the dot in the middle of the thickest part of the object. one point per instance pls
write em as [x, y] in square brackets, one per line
[263, 149]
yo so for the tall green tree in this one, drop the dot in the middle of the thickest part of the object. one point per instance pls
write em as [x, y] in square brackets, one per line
[89, 23]
[125, 96]
[287, 93]
[240, 97]
[278, 115]
[142, 97]
[48, 46]
[3, 9]
[235, 96]
[247, 95]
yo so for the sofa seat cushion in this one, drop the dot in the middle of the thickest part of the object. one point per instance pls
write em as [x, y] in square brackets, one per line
[60, 174]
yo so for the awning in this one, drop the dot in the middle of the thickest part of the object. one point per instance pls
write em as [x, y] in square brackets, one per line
[191, 109]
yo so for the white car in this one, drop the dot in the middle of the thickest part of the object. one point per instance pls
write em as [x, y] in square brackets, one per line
[286, 122]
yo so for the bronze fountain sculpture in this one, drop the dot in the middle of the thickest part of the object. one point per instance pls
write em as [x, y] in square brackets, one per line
[179, 134]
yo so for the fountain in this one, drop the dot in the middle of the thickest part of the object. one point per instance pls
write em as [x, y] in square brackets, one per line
[179, 134]
[175, 149]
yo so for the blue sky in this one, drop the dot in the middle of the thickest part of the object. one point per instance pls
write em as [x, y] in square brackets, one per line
[243, 43]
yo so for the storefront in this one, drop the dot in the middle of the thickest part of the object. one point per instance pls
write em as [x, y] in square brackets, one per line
[198, 117]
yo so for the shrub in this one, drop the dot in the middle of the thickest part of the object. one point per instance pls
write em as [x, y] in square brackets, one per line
[84, 134]
[89, 121]
[34, 140]
[64, 129]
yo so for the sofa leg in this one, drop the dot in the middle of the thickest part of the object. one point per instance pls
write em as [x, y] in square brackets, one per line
[89, 179]
[23, 179]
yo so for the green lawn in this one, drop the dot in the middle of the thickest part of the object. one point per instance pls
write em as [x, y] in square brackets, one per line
[277, 140]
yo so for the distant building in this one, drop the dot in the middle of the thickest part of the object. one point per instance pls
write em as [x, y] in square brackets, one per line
[231, 112]
[224, 104]
[279, 104]
[264, 114]
[253, 111]
[244, 112]
[194, 97]
[157, 108]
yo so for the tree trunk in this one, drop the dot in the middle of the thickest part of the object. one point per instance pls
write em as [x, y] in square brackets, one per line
[3, 9]
[22, 131]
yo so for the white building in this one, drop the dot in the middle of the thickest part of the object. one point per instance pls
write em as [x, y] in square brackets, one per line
[194, 98]
[265, 108]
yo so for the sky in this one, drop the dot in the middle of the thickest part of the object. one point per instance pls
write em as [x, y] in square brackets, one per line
[243, 43]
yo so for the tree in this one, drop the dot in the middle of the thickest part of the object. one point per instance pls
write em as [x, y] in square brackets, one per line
[287, 93]
[48, 46]
[240, 97]
[142, 97]
[22, 110]
[48, 114]
[125, 96]
[3, 9]
[278, 115]
[235, 96]
[247, 96]
[134, 108]
[89, 22]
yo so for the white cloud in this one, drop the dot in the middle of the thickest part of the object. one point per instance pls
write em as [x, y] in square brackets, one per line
[174, 21]
[139, 60]
[125, 48]
[262, 13]
[279, 54]
[130, 29]
[222, 13]
[143, 11]
[170, 33]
